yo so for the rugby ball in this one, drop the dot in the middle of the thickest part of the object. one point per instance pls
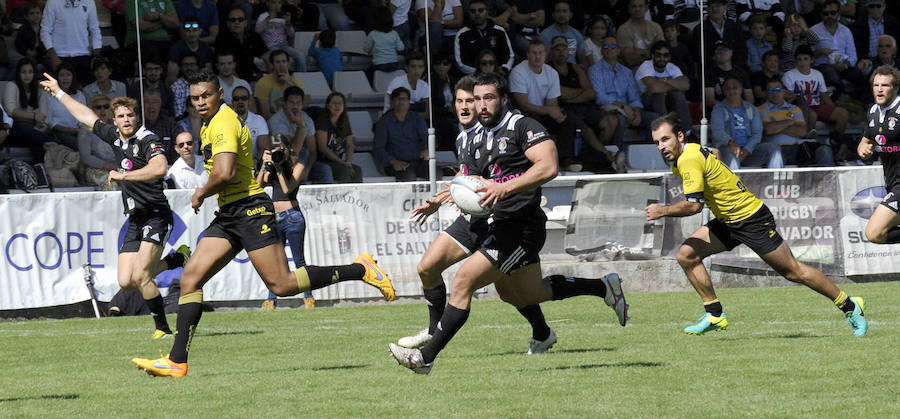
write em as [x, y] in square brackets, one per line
[462, 190]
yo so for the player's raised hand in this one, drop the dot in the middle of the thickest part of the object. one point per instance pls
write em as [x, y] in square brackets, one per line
[50, 84]
[431, 205]
[865, 148]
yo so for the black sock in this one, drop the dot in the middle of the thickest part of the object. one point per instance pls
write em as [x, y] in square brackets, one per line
[323, 276]
[452, 320]
[714, 308]
[190, 308]
[437, 300]
[848, 306]
[539, 328]
[158, 311]
[173, 260]
[568, 286]
[893, 236]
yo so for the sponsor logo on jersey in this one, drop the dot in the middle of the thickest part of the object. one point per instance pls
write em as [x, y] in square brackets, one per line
[892, 122]
[535, 136]
[134, 150]
[881, 139]
[501, 144]
[126, 164]
[146, 231]
[257, 211]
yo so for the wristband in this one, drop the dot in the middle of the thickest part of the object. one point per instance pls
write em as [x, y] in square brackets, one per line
[60, 94]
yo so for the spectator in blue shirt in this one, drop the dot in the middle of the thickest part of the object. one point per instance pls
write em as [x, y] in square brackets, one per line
[757, 44]
[562, 14]
[328, 57]
[401, 143]
[737, 131]
[206, 13]
[617, 92]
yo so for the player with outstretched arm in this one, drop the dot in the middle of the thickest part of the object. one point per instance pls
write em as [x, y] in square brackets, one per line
[740, 218]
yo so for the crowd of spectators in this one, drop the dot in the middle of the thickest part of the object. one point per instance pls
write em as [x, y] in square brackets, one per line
[595, 73]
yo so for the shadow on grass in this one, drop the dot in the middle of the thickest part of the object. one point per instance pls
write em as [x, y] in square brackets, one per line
[44, 397]
[794, 335]
[340, 367]
[285, 370]
[239, 332]
[561, 351]
[618, 365]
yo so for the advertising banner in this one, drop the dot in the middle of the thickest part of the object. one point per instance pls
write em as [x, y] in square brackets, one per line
[861, 191]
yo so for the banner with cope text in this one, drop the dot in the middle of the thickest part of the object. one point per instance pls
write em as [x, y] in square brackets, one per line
[46, 238]
[804, 204]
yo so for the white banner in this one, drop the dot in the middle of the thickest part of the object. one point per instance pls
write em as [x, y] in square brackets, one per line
[861, 192]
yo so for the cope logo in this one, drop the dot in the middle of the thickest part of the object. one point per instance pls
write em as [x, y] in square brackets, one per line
[178, 229]
[863, 204]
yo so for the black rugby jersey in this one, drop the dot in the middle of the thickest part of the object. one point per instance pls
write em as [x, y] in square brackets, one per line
[883, 129]
[133, 154]
[499, 155]
[464, 151]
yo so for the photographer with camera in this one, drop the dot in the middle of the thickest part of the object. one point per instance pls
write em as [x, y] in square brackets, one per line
[282, 169]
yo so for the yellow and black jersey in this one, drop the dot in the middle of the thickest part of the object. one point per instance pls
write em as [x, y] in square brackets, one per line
[225, 133]
[706, 179]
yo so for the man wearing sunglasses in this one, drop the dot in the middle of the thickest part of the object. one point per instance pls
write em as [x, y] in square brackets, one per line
[243, 43]
[866, 33]
[187, 172]
[617, 93]
[481, 34]
[835, 54]
[783, 124]
[206, 15]
[190, 42]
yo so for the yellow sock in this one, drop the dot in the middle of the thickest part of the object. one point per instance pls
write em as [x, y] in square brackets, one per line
[302, 279]
[194, 297]
[706, 303]
[840, 300]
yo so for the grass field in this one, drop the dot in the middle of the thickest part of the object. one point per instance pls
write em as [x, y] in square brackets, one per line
[787, 353]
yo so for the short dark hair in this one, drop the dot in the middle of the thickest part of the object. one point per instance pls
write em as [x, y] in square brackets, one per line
[294, 91]
[471, 2]
[188, 54]
[203, 76]
[495, 79]
[99, 61]
[803, 50]
[224, 52]
[671, 119]
[327, 38]
[467, 84]
[775, 80]
[827, 3]
[658, 45]
[671, 23]
[414, 56]
[190, 19]
[278, 51]
[31, 5]
[536, 41]
[398, 91]
[770, 53]
[732, 76]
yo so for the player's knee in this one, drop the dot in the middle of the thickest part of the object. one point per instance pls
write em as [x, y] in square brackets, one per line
[687, 256]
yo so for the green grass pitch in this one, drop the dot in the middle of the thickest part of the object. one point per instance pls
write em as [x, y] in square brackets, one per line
[787, 353]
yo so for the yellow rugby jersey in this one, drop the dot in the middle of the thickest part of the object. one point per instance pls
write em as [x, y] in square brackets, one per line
[706, 179]
[225, 133]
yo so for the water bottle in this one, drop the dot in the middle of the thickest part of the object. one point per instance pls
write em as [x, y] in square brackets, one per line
[576, 142]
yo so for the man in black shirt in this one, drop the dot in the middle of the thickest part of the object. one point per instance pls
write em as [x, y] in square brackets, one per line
[142, 167]
[882, 134]
[514, 155]
[481, 34]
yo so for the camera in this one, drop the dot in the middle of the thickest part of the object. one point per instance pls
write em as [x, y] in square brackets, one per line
[278, 155]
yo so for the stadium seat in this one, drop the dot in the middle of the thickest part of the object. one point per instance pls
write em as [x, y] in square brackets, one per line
[314, 85]
[383, 79]
[361, 125]
[301, 44]
[370, 171]
[350, 42]
[356, 86]
[110, 41]
[644, 158]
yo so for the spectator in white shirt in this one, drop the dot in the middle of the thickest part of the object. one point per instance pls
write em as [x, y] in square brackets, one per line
[188, 171]
[415, 67]
[662, 84]
[70, 32]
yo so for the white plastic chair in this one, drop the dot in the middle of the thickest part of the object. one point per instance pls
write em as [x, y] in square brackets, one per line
[370, 171]
[644, 158]
[383, 79]
[350, 42]
[361, 125]
[356, 85]
[314, 85]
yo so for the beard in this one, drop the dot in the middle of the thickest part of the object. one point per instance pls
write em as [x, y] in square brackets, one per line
[494, 119]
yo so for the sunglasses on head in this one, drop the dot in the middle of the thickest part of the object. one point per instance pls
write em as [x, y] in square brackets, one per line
[240, 98]
[774, 89]
[192, 26]
[610, 46]
[186, 143]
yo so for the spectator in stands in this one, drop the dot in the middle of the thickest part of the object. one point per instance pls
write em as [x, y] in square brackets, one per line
[681, 56]
[718, 28]
[153, 80]
[304, 15]
[187, 63]
[191, 121]
[768, 9]
[722, 68]
[331, 14]
[637, 34]
[535, 88]
[244, 44]
[384, 43]
[97, 155]
[326, 54]
[809, 84]
[617, 10]
[187, 172]
[102, 83]
[335, 142]
[526, 18]
[887, 54]
[189, 42]
[480, 34]
[737, 131]
[206, 14]
[269, 92]
[21, 98]
[62, 124]
[412, 81]
[155, 20]
[835, 54]
[241, 99]
[617, 93]
[445, 17]
[866, 33]
[487, 63]
[227, 79]
[796, 34]
[401, 141]
[597, 29]
[783, 124]
[760, 81]
[28, 41]
[662, 84]
[562, 14]
[159, 123]
[6, 123]
[443, 113]
[757, 44]
[399, 19]
[276, 30]
[680, 11]
[293, 126]
[70, 32]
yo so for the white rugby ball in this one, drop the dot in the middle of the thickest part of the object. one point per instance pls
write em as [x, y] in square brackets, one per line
[462, 190]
